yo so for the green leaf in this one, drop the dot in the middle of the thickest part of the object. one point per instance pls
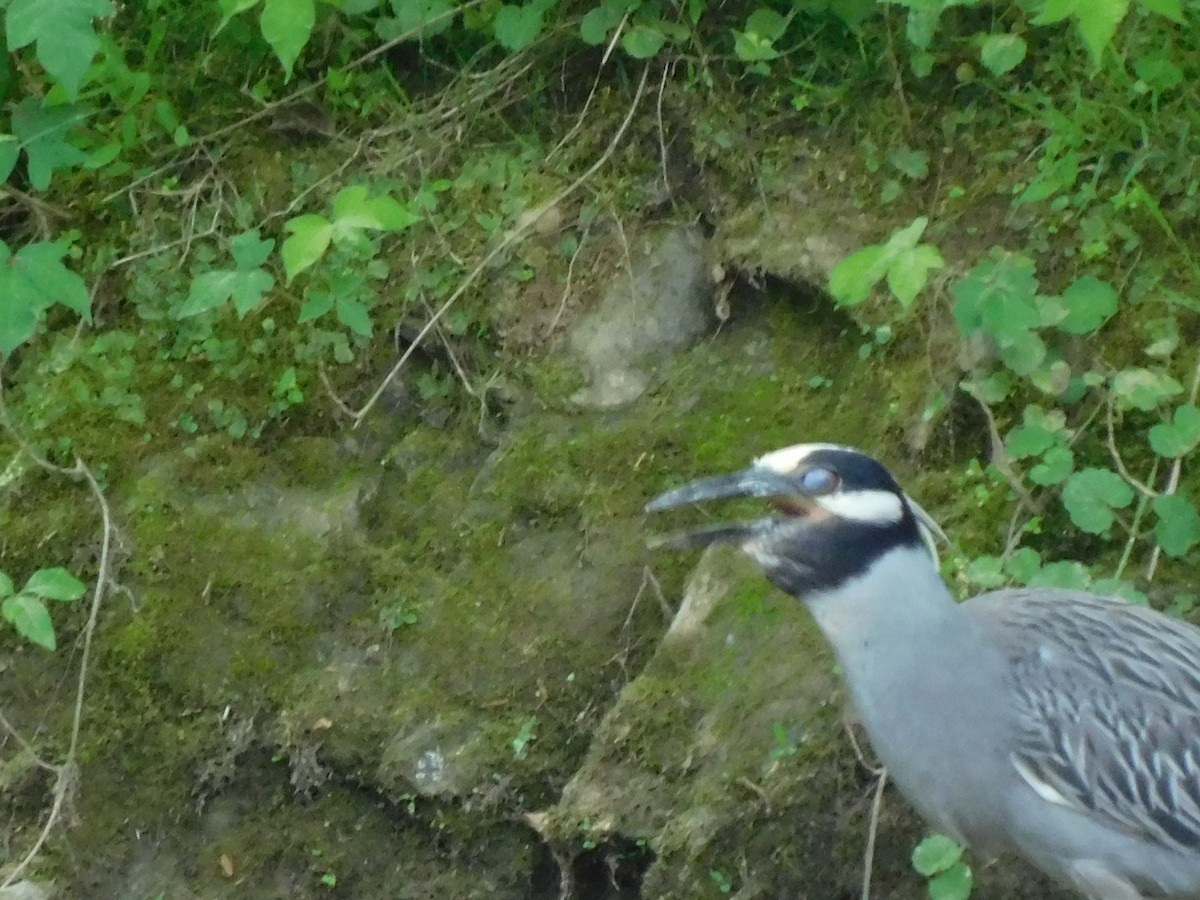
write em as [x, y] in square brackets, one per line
[1098, 21]
[766, 23]
[6, 585]
[31, 282]
[418, 19]
[751, 47]
[1171, 9]
[43, 136]
[851, 281]
[1159, 72]
[1002, 53]
[953, 884]
[287, 25]
[910, 270]
[643, 41]
[66, 40]
[1057, 463]
[1178, 526]
[911, 163]
[1023, 352]
[1064, 573]
[516, 27]
[10, 151]
[353, 314]
[317, 304]
[54, 584]
[31, 618]
[307, 244]
[1091, 495]
[597, 24]
[353, 209]
[935, 854]
[999, 297]
[249, 250]
[1179, 437]
[1144, 389]
[230, 8]
[1090, 303]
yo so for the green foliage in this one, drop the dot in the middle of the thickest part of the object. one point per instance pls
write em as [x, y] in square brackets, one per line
[353, 213]
[26, 609]
[32, 281]
[940, 860]
[245, 284]
[903, 261]
[63, 33]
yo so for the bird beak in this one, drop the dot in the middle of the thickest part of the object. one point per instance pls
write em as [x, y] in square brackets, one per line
[752, 482]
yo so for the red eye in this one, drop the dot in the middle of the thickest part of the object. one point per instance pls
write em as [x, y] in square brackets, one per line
[818, 481]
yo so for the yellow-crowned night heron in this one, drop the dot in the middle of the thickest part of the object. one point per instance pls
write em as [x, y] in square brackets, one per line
[1059, 725]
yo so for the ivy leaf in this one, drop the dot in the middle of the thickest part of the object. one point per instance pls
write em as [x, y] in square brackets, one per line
[245, 284]
[902, 260]
[230, 8]
[317, 304]
[1002, 53]
[6, 585]
[935, 854]
[1091, 495]
[910, 270]
[43, 136]
[353, 210]
[643, 41]
[287, 25]
[249, 251]
[1144, 389]
[31, 618]
[54, 584]
[1097, 20]
[1090, 303]
[353, 314]
[752, 47]
[1179, 437]
[309, 240]
[62, 29]
[1178, 526]
[32, 281]
[1171, 9]
[852, 278]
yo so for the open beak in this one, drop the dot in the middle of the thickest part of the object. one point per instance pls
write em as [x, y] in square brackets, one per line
[752, 482]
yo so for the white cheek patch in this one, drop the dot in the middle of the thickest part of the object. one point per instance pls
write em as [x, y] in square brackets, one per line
[787, 460]
[877, 507]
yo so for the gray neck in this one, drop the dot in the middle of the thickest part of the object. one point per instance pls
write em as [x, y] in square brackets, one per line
[897, 633]
[899, 603]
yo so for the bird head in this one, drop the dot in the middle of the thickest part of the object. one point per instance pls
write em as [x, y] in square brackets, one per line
[836, 511]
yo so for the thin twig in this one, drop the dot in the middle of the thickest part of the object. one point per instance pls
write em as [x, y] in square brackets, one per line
[562, 305]
[509, 239]
[587, 104]
[872, 830]
[1144, 489]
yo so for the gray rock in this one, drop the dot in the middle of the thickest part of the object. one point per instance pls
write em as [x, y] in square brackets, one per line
[662, 306]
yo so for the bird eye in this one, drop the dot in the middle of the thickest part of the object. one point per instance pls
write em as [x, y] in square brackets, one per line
[819, 481]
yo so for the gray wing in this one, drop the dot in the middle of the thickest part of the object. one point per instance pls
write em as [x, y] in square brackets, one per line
[1108, 708]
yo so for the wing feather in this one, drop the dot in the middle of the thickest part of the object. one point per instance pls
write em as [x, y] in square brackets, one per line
[1108, 708]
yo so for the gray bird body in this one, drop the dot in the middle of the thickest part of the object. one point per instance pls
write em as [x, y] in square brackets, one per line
[1057, 725]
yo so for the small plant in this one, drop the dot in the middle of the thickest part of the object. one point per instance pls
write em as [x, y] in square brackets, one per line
[26, 608]
[721, 880]
[526, 736]
[939, 859]
[397, 616]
